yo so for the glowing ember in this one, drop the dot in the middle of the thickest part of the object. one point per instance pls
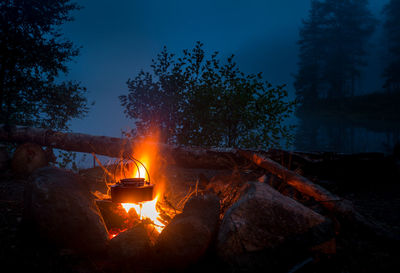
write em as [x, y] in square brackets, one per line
[113, 233]
[146, 210]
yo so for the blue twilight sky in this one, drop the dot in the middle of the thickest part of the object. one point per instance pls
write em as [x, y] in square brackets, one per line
[120, 37]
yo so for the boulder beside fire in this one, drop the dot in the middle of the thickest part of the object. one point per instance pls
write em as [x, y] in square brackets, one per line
[261, 223]
[189, 235]
[62, 210]
[266, 227]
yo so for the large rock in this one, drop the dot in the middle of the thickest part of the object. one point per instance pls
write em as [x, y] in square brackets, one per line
[131, 250]
[27, 158]
[188, 236]
[63, 211]
[267, 230]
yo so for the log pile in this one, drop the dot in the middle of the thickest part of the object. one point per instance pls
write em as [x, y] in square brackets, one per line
[278, 222]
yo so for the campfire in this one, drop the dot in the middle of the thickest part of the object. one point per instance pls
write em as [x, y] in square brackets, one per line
[131, 186]
[146, 210]
[250, 214]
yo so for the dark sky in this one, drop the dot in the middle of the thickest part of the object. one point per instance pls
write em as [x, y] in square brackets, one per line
[120, 37]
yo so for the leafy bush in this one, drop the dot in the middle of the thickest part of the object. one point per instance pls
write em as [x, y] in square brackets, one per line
[193, 100]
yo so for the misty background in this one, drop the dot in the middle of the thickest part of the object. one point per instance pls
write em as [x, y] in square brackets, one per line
[120, 38]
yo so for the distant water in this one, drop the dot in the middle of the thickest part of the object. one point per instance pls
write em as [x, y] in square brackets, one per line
[341, 135]
[314, 133]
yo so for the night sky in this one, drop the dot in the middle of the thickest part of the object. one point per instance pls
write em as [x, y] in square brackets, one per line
[120, 37]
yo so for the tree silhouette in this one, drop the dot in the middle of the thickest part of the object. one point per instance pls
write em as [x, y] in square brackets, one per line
[332, 48]
[392, 33]
[33, 53]
[198, 101]
[308, 79]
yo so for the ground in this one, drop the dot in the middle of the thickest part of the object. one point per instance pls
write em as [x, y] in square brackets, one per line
[355, 252]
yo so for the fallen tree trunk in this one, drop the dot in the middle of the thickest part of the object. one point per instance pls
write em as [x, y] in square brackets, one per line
[341, 208]
[186, 157]
[109, 146]
[301, 183]
[218, 158]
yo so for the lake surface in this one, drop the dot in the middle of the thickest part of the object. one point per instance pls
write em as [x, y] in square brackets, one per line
[314, 133]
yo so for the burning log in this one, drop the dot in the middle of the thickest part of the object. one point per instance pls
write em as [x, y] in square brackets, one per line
[267, 229]
[115, 217]
[188, 236]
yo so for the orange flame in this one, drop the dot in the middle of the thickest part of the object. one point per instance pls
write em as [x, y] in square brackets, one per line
[141, 172]
[146, 153]
[146, 210]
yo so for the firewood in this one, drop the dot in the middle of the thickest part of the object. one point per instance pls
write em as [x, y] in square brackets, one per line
[302, 184]
[115, 217]
[341, 208]
[191, 157]
[118, 147]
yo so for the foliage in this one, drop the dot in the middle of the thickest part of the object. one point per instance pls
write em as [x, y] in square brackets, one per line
[33, 53]
[195, 100]
[332, 48]
[67, 159]
[392, 33]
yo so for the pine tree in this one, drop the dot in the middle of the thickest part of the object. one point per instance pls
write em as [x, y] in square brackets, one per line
[308, 79]
[332, 48]
[392, 33]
